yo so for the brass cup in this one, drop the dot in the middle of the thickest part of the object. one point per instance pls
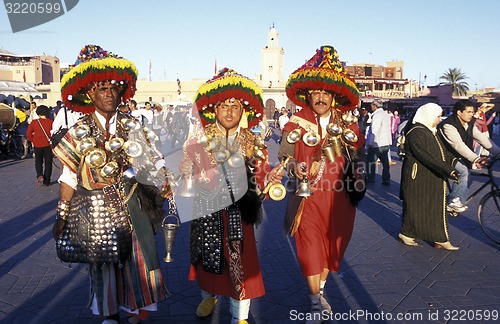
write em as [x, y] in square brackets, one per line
[130, 123]
[132, 148]
[259, 142]
[257, 153]
[85, 145]
[334, 149]
[277, 192]
[349, 118]
[114, 144]
[236, 160]
[311, 138]
[110, 169]
[81, 131]
[96, 158]
[169, 234]
[221, 155]
[334, 129]
[150, 135]
[349, 136]
[294, 136]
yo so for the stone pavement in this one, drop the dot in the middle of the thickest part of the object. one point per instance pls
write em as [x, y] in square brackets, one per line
[380, 278]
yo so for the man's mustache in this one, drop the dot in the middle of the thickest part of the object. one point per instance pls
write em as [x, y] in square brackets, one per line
[317, 103]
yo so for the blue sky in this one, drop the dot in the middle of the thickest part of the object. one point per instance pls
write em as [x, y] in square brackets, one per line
[184, 37]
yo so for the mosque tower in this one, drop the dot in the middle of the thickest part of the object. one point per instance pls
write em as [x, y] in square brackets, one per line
[272, 61]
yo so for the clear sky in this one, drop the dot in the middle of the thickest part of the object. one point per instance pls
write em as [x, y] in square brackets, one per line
[184, 37]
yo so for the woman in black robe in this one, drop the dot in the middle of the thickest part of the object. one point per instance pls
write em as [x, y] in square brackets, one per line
[426, 167]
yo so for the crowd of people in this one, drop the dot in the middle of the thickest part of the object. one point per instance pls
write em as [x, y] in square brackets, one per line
[329, 149]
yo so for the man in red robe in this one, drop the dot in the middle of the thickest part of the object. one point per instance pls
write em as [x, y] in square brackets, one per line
[228, 164]
[327, 150]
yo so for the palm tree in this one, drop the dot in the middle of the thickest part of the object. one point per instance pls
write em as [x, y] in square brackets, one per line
[456, 78]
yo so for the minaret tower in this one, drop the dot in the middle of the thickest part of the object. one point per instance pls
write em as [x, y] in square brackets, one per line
[272, 60]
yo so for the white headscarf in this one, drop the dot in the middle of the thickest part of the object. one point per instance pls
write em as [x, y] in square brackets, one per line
[427, 114]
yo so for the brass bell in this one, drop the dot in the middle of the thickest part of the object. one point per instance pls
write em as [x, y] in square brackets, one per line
[96, 158]
[132, 148]
[349, 136]
[258, 154]
[114, 144]
[294, 136]
[81, 131]
[130, 123]
[334, 129]
[85, 145]
[304, 189]
[169, 234]
[110, 169]
[349, 118]
[310, 138]
[236, 160]
[221, 155]
[188, 190]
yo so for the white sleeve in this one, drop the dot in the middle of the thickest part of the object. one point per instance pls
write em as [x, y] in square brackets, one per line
[485, 141]
[452, 136]
[68, 177]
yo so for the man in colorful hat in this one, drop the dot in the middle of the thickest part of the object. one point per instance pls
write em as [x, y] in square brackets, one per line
[113, 210]
[324, 140]
[228, 164]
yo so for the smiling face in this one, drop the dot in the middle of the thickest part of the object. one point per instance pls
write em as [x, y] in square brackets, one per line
[321, 101]
[105, 97]
[228, 114]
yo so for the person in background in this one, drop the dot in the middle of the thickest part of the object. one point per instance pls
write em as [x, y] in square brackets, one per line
[32, 115]
[458, 133]
[427, 166]
[276, 116]
[38, 133]
[226, 168]
[135, 284]
[322, 223]
[378, 142]
[482, 122]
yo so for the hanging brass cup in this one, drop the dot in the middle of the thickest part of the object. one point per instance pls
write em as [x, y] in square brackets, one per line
[236, 160]
[221, 155]
[294, 136]
[130, 123]
[114, 144]
[334, 129]
[132, 148]
[258, 153]
[110, 169]
[96, 158]
[349, 118]
[85, 145]
[169, 234]
[311, 138]
[277, 191]
[81, 131]
[349, 136]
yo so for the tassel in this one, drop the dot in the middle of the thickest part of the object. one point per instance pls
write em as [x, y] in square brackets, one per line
[298, 217]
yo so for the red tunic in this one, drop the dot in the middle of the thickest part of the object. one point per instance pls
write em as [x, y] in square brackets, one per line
[327, 219]
[248, 275]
